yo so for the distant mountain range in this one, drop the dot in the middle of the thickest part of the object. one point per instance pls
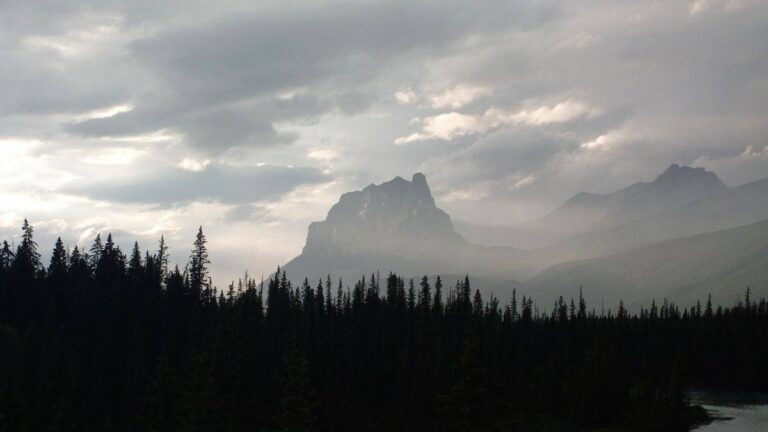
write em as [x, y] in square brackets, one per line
[677, 186]
[674, 237]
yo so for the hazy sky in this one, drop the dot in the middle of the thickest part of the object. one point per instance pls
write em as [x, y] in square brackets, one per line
[146, 118]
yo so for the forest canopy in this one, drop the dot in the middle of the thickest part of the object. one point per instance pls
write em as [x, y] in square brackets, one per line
[101, 340]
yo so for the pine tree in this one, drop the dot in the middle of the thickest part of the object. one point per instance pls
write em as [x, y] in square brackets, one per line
[59, 260]
[582, 305]
[109, 247]
[6, 256]
[477, 304]
[27, 259]
[97, 249]
[28, 243]
[198, 264]
[437, 302]
[425, 296]
[513, 306]
[622, 312]
[748, 300]
[572, 310]
[78, 264]
[134, 264]
[162, 256]
[328, 301]
[411, 296]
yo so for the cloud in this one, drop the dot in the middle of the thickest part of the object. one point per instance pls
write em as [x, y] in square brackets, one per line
[214, 183]
[132, 114]
[504, 160]
[248, 213]
[562, 112]
[446, 127]
[214, 83]
[322, 154]
[193, 165]
[703, 6]
[405, 96]
[458, 96]
[603, 142]
[451, 125]
[114, 156]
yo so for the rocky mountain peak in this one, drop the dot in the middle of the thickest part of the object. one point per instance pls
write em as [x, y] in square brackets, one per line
[677, 175]
[395, 214]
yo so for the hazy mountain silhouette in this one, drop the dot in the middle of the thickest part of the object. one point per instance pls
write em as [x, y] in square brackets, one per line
[721, 263]
[676, 186]
[395, 226]
[395, 214]
[682, 201]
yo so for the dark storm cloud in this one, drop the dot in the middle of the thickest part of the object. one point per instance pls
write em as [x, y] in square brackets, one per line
[226, 74]
[215, 183]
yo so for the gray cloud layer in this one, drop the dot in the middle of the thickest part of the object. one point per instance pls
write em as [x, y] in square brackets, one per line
[225, 184]
[508, 106]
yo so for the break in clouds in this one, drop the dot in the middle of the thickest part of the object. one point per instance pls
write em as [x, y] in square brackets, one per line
[251, 118]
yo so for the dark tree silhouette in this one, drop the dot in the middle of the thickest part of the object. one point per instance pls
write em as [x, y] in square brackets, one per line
[102, 341]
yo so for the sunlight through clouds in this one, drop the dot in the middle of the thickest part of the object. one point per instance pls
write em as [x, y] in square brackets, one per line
[451, 125]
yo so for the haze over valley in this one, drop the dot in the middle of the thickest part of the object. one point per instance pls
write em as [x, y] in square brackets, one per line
[675, 237]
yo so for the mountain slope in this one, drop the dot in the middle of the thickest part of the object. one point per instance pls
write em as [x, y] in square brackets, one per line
[676, 186]
[722, 263]
[718, 211]
[640, 214]
[586, 213]
[396, 226]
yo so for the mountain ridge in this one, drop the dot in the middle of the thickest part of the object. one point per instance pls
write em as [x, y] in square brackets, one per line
[396, 226]
[722, 207]
[677, 185]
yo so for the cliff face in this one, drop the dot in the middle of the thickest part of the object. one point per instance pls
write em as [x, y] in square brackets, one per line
[396, 216]
[395, 226]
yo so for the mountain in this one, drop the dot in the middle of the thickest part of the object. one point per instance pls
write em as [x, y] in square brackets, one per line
[677, 186]
[721, 263]
[678, 237]
[587, 213]
[395, 214]
[682, 201]
[396, 226]
[725, 209]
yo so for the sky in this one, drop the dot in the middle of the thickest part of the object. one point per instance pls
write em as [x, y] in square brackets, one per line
[148, 118]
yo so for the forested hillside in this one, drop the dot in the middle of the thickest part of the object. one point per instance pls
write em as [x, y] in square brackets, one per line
[101, 341]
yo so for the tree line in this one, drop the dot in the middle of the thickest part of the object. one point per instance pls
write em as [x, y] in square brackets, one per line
[104, 341]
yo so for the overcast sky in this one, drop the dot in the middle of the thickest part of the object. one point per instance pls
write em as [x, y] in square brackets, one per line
[250, 118]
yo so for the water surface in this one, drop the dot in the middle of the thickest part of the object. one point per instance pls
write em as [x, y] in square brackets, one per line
[740, 412]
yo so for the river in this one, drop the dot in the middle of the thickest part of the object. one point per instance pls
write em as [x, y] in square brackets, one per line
[737, 412]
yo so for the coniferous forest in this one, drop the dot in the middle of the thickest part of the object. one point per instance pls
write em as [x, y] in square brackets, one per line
[100, 340]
